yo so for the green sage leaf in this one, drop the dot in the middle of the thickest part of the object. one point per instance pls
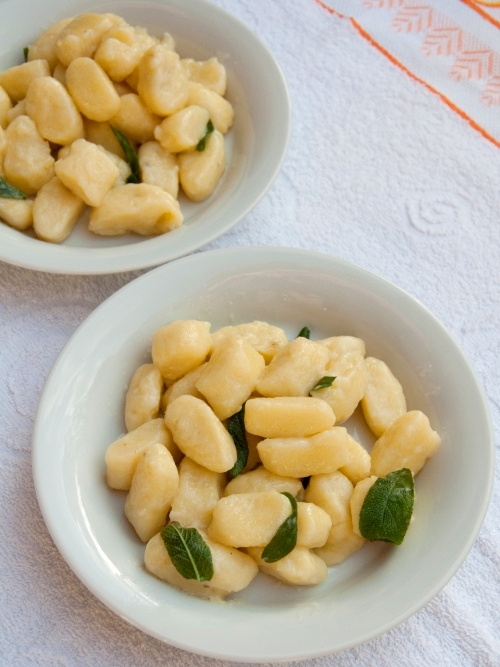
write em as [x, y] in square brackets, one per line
[203, 141]
[130, 156]
[26, 51]
[9, 191]
[326, 381]
[285, 538]
[386, 511]
[188, 551]
[236, 428]
[304, 333]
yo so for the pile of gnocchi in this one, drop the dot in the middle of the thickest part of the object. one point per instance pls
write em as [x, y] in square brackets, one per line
[179, 468]
[102, 114]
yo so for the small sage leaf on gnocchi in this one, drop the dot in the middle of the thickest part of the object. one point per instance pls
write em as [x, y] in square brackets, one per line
[26, 51]
[285, 538]
[326, 381]
[388, 507]
[188, 551]
[130, 156]
[203, 141]
[9, 191]
[236, 428]
[305, 332]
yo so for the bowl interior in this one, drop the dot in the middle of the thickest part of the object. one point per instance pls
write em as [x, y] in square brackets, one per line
[255, 145]
[81, 413]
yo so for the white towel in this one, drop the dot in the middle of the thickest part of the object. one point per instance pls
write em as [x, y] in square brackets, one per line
[380, 172]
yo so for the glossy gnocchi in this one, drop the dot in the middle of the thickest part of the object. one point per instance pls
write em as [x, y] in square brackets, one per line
[248, 382]
[101, 88]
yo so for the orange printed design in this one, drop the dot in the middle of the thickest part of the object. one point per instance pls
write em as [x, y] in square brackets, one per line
[444, 38]
[452, 39]
[445, 41]
[382, 4]
[476, 64]
[445, 99]
[473, 60]
[491, 92]
[413, 19]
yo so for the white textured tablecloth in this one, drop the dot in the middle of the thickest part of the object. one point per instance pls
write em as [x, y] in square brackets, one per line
[379, 172]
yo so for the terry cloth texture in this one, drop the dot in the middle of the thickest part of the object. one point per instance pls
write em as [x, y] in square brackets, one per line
[381, 172]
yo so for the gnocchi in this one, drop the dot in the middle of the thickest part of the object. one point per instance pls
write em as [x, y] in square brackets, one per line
[96, 79]
[302, 480]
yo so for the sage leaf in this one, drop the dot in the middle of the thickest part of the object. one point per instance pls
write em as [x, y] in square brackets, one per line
[326, 381]
[236, 428]
[386, 511]
[130, 156]
[188, 551]
[203, 141]
[9, 191]
[26, 51]
[304, 333]
[285, 538]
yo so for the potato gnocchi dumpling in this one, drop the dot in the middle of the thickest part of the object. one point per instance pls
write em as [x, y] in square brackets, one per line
[134, 119]
[345, 393]
[359, 464]
[87, 172]
[153, 488]
[239, 465]
[27, 163]
[301, 567]
[294, 370]
[248, 519]
[123, 455]
[265, 338]
[159, 168]
[408, 443]
[199, 434]
[53, 111]
[333, 492]
[287, 417]
[261, 479]
[16, 80]
[136, 207]
[55, 211]
[233, 570]
[318, 454]
[142, 400]
[383, 401]
[210, 73]
[200, 171]
[357, 499]
[182, 130]
[92, 90]
[44, 48]
[18, 213]
[5, 106]
[81, 37]
[199, 492]
[180, 347]
[230, 376]
[96, 79]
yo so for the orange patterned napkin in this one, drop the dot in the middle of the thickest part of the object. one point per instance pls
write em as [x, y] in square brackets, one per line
[450, 46]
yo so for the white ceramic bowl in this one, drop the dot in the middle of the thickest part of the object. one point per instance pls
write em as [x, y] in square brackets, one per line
[81, 413]
[256, 145]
